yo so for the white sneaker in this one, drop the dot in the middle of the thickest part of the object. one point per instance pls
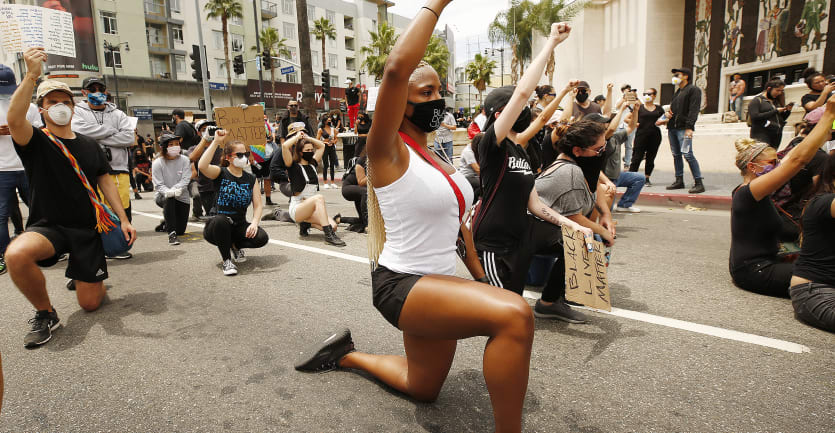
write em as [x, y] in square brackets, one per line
[238, 255]
[326, 186]
[229, 268]
[630, 209]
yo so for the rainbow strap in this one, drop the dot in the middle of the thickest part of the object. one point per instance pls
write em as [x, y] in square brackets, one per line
[104, 219]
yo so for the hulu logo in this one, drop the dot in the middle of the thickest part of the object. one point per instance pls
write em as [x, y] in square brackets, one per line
[86, 67]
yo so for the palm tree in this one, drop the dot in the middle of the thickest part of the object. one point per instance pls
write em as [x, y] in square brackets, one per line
[323, 29]
[437, 55]
[547, 12]
[225, 9]
[515, 26]
[376, 53]
[479, 71]
[308, 87]
[277, 46]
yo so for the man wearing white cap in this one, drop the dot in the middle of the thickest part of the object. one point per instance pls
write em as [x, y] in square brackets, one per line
[12, 176]
[63, 214]
[352, 98]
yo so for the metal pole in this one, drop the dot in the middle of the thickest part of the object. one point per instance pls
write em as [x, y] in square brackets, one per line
[502, 51]
[206, 95]
[115, 78]
[258, 50]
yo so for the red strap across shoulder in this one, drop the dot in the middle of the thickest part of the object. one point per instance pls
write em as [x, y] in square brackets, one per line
[462, 206]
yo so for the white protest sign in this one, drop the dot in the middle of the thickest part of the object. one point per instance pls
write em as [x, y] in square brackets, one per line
[133, 121]
[586, 278]
[32, 26]
[372, 98]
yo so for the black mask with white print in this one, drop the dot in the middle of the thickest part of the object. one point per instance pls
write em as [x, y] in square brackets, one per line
[428, 115]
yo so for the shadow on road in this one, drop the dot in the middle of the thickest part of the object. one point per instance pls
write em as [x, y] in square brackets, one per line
[612, 330]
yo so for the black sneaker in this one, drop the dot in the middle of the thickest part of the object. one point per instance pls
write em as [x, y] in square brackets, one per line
[172, 239]
[304, 229]
[325, 356]
[43, 324]
[269, 202]
[160, 228]
[71, 284]
[124, 256]
[2, 265]
[136, 195]
[558, 310]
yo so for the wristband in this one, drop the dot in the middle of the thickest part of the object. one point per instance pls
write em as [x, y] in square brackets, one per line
[437, 17]
[483, 280]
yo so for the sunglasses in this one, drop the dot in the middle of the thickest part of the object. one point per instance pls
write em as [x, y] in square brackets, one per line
[599, 151]
[649, 94]
[552, 94]
[242, 154]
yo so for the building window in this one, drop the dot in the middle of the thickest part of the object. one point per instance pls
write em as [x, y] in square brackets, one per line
[159, 67]
[109, 56]
[331, 16]
[238, 21]
[217, 35]
[237, 42]
[155, 7]
[288, 7]
[332, 61]
[335, 81]
[292, 51]
[180, 65]
[177, 33]
[108, 21]
[175, 5]
[289, 30]
[311, 13]
[332, 43]
[292, 78]
[154, 35]
[314, 57]
[221, 68]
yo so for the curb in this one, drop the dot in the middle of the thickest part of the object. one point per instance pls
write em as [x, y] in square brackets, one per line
[717, 202]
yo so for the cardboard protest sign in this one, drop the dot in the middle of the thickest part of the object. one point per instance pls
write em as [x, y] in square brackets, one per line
[246, 125]
[586, 278]
[32, 26]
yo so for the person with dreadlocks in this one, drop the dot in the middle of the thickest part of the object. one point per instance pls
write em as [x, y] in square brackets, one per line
[416, 204]
[755, 223]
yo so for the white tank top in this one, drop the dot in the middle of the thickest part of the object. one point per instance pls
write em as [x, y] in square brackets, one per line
[420, 212]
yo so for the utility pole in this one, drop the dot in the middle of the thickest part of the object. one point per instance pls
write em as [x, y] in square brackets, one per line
[258, 51]
[205, 62]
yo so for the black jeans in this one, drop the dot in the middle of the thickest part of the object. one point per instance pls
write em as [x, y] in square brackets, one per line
[814, 304]
[175, 214]
[766, 277]
[773, 138]
[329, 160]
[209, 201]
[358, 195]
[224, 233]
[476, 184]
[646, 145]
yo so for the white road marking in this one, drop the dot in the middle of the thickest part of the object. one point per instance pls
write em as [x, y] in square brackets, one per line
[713, 331]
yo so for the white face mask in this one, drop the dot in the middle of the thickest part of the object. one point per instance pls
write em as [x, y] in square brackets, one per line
[676, 81]
[174, 150]
[60, 114]
[240, 162]
[647, 98]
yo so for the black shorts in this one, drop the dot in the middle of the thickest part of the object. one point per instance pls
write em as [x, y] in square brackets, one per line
[86, 262]
[263, 172]
[389, 292]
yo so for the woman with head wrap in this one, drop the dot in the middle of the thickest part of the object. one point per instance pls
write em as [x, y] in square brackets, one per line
[755, 223]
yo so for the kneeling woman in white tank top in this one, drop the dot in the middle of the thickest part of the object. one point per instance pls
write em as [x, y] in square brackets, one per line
[302, 154]
[413, 285]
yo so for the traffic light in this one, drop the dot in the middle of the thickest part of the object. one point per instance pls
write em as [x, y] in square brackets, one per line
[238, 64]
[267, 60]
[197, 63]
[326, 82]
[201, 104]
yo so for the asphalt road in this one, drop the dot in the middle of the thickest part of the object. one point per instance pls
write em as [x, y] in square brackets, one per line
[178, 347]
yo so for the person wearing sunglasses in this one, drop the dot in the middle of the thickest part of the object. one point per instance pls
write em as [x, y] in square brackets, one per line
[544, 95]
[237, 189]
[171, 173]
[648, 136]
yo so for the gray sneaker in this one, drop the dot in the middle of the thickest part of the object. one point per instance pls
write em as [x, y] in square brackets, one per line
[238, 255]
[558, 310]
[229, 268]
[43, 324]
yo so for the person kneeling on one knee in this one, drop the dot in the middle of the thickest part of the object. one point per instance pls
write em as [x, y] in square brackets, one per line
[237, 189]
[171, 172]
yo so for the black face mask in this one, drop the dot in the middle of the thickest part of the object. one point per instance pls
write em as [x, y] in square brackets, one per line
[523, 121]
[582, 97]
[591, 166]
[307, 156]
[428, 115]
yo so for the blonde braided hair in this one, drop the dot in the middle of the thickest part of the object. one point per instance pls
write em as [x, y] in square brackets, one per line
[376, 224]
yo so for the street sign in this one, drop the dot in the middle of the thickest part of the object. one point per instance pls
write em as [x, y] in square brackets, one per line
[143, 113]
[218, 86]
[288, 70]
[257, 63]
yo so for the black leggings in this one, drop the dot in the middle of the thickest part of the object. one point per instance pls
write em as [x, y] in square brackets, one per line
[358, 195]
[175, 214]
[814, 304]
[646, 144]
[766, 277]
[208, 199]
[224, 233]
[329, 160]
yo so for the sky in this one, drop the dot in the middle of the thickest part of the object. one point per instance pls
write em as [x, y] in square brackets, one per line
[468, 19]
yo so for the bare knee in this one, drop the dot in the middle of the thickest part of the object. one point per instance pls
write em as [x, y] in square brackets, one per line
[517, 319]
[20, 253]
[90, 295]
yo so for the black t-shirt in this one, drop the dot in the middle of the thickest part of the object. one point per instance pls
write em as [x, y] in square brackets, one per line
[647, 119]
[755, 228]
[549, 152]
[234, 194]
[350, 178]
[817, 255]
[57, 195]
[352, 95]
[502, 223]
[363, 127]
[299, 179]
[188, 134]
[807, 98]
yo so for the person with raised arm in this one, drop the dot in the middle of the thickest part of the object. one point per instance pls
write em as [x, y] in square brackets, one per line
[417, 202]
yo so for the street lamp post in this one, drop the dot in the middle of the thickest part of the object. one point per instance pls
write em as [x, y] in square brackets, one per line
[493, 53]
[110, 48]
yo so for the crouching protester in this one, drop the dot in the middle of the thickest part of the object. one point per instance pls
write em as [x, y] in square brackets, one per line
[755, 224]
[172, 174]
[64, 169]
[237, 189]
[813, 281]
